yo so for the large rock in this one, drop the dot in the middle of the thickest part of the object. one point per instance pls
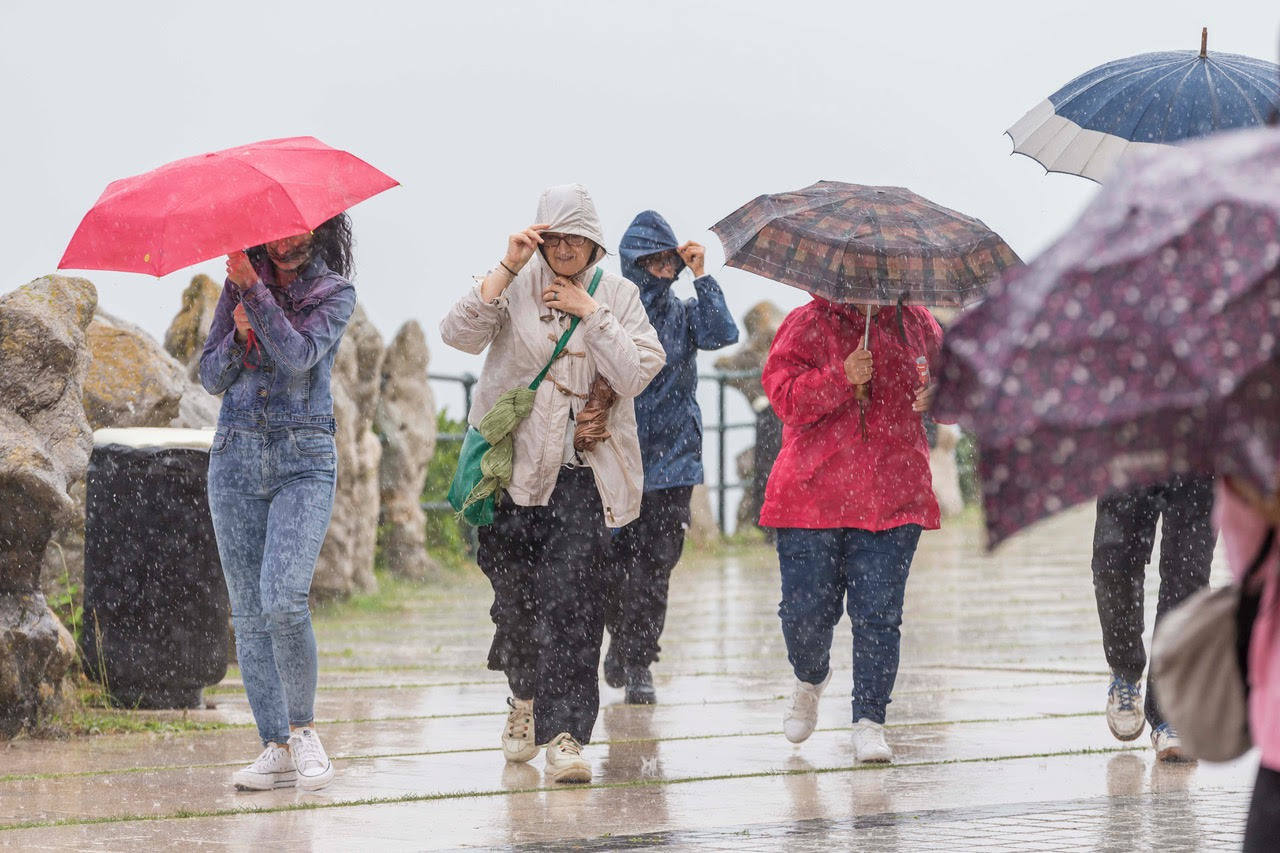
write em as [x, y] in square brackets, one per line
[346, 558]
[132, 382]
[45, 442]
[190, 328]
[406, 423]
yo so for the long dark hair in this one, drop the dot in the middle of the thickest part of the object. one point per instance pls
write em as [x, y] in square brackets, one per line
[331, 240]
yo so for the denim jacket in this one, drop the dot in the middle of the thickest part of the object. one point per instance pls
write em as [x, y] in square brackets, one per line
[298, 330]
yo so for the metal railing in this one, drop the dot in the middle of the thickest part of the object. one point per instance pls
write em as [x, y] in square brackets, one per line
[720, 428]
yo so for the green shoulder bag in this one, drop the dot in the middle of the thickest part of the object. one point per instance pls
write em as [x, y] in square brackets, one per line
[485, 461]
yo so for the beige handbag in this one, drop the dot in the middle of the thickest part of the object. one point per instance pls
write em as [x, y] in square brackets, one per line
[1199, 661]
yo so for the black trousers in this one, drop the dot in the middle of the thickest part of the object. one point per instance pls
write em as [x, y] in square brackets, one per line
[1262, 831]
[1123, 537]
[548, 602]
[638, 570]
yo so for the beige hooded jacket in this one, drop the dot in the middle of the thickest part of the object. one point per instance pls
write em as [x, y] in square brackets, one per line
[520, 332]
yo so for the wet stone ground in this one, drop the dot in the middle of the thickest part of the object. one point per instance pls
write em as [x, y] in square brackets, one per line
[997, 724]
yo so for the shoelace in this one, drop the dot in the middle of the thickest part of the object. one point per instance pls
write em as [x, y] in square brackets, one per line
[266, 760]
[802, 701]
[569, 745]
[307, 750]
[518, 721]
[1127, 693]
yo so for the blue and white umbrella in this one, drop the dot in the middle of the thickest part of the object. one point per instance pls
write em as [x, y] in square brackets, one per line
[1094, 122]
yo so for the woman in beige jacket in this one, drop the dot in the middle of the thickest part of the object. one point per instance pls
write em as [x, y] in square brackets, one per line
[551, 526]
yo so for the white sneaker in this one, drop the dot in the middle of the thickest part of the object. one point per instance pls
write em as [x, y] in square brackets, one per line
[315, 770]
[1125, 716]
[802, 713]
[869, 745]
[517, 738]
[274, 768]
[1167, 744]
[564, 762]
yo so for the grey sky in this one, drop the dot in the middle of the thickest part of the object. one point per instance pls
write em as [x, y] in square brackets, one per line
[691, 108]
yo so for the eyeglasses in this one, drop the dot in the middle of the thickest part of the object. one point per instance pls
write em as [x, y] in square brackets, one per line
[661, 259]
[577, 241]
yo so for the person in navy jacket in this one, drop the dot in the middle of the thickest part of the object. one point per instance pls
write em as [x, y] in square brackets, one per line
[670, 428]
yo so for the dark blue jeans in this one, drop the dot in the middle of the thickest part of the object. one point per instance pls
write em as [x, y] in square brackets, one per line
[819, 569]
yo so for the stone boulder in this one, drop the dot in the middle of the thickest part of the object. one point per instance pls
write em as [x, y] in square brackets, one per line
[406, 423]
[132, 382]
[190, 328]
[346, 558]
[45, 440]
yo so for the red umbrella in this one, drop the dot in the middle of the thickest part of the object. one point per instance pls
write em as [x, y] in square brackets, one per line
[201, 207]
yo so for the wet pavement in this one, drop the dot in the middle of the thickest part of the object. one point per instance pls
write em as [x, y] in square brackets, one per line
[996, 723]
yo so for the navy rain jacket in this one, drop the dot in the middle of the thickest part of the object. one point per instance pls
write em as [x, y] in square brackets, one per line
[667, 413]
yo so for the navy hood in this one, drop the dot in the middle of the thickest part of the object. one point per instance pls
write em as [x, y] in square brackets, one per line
[647, 234]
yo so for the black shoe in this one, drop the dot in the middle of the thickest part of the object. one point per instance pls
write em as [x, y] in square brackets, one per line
[614, 674]
[640, 686]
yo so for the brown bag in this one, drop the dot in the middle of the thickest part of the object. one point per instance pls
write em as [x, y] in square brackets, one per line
[1199, 659]
[593, 420]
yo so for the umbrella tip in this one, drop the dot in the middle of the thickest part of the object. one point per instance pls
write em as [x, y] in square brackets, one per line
[1204, 42]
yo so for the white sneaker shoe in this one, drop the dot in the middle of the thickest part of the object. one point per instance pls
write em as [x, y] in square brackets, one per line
[802, 713]
[517, 738]
[1167, 744]
[1125, 716]
[869, 745]
[315, 770]
[564, 762]
[274, 768]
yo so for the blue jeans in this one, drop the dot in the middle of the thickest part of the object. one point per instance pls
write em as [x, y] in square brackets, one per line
[271, 495]
[819, 568]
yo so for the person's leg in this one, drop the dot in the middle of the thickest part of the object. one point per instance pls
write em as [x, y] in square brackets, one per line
[813, 586]
[1186, 553]
[508, 552]
[876, 565]
[239, 507]
[570, 615]
[662, 524]
[1262, 830]
[1123, 536]
[615, 570]
[305, 482]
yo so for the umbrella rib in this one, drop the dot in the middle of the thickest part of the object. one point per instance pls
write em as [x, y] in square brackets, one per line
[1258, 117]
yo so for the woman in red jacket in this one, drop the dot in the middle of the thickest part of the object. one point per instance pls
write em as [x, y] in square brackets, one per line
[849, 495]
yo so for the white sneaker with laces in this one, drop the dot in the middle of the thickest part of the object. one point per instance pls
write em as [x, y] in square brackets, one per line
[1167, 744]
[517, 738]
[564, 762]
[1125, 715]
[315, 770]
[869, 745]
[802, 713]
[274, 768]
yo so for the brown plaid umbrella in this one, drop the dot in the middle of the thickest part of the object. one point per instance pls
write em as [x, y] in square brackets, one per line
[860, 244]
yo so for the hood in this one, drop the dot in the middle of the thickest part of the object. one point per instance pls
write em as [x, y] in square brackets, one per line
[647, 234]
[568, 209]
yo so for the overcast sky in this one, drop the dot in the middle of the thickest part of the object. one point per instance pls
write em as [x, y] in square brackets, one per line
[692, 108]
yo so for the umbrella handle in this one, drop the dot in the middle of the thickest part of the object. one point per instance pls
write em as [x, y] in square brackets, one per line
[863, 391]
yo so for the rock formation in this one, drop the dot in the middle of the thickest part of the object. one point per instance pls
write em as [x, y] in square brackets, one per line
[346, 558]
[406, 423]
[45, 442]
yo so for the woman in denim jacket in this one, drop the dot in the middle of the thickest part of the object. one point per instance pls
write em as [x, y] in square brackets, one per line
[272, 476]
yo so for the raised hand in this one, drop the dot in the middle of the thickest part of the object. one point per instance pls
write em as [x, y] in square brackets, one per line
[694, 256]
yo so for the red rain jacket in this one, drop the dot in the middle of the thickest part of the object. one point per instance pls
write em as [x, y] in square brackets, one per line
[827, 475]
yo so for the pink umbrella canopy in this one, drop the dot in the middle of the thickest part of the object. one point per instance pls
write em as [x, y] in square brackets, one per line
[201, 207]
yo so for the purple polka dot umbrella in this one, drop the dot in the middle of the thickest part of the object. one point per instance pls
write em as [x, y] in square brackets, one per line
[1139, 346]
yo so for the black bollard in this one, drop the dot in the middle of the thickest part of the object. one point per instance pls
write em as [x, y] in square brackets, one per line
[155, 603]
